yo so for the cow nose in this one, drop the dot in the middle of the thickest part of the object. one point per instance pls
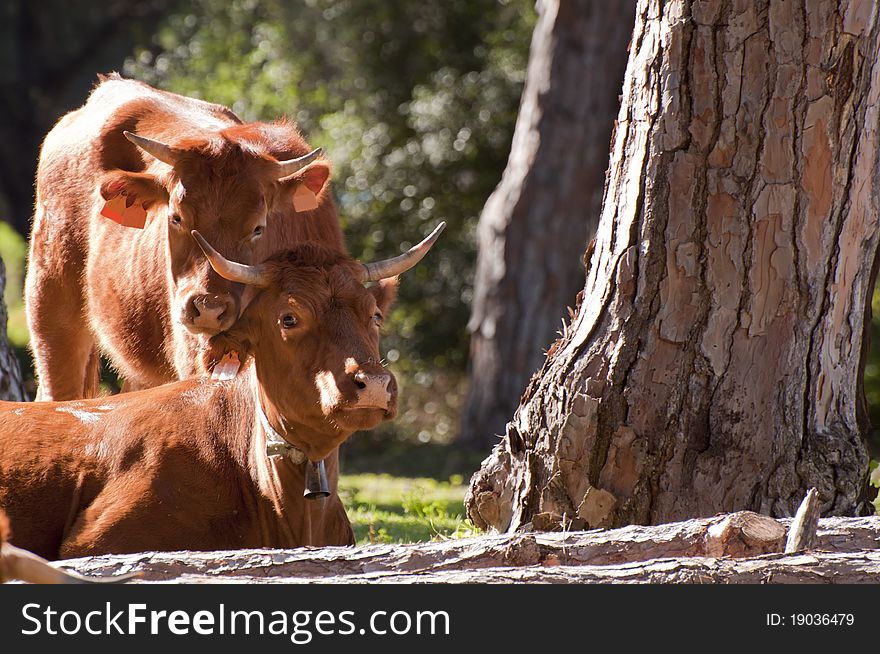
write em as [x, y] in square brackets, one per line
[210, 311]
[373, 389]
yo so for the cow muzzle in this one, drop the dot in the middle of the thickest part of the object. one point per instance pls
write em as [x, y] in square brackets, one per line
[209, 313]
[375, 390]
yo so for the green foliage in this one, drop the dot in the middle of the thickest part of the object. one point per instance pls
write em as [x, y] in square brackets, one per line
[13, 250]
[386, 509]
[415, 104]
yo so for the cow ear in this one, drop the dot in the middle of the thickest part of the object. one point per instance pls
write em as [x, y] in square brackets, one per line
[313, 177]
[385, 292]
[224, 344]
[143, 187]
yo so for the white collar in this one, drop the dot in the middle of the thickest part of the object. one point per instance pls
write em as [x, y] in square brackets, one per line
[276, 444]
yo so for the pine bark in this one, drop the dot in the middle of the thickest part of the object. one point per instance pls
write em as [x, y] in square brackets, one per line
[715, 363]
[725, 548]
[535, 226]
[11, 387]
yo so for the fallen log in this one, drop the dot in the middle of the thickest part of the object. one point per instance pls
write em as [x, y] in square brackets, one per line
[860, 567]
[735, 548]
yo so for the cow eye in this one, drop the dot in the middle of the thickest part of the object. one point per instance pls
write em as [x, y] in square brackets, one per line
[377, 318]
[288, 321]
[175, 219]
[258, 231]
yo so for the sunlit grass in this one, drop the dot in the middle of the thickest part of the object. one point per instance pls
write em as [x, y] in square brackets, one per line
[386, 509]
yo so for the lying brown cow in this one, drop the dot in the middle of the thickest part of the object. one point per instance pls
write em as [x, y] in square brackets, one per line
[21, 565]
[146, 297]
[184, 466]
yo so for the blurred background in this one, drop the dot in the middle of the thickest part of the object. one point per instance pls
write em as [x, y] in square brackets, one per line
[415, 103]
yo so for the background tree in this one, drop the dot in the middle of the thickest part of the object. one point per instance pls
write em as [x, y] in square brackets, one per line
[536, 224]
[716, 360]
[51, 52]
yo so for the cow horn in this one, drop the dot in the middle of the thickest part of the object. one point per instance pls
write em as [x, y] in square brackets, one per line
[162, 152]
[377, 270]
[234, 272]
[291, 166]
[26, 566]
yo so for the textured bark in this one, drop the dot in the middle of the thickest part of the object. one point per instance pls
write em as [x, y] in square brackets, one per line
[11, 387]
[534, 228]
[715, 363]
[686, 551]
[802, 530]
[819, 568]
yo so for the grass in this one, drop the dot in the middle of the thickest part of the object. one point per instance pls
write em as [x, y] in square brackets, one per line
[386, 509]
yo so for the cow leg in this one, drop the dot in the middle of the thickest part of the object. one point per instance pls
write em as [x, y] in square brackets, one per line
[110, 525]
[128, 515]
[333, 526]
[60, 338]
[64, 357]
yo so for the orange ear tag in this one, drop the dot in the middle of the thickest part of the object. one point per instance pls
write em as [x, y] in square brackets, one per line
[134, 216]
[304, 199]
[113, 209]
[227, 367]
[128, 216]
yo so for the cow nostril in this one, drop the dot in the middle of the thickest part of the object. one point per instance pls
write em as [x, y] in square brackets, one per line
[360, 380]
[208, 310]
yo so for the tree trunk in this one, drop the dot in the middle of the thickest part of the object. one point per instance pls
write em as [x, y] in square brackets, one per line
[11, 387]
[715, 363]
[536, 224]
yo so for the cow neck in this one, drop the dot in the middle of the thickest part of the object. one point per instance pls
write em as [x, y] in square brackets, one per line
[288, 519]
[277, 442]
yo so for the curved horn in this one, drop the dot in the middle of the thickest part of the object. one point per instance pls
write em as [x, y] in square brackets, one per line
[234, 272]
[162, 152]
[373, 272]
[291, 166]
[26, 566]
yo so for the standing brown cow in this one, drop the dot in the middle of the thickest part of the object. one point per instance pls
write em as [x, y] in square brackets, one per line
[188, 465]
[146, 297]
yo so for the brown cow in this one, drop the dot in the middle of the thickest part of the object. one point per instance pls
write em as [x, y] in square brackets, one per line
[16, 563]
[184, 466]
[146, 298]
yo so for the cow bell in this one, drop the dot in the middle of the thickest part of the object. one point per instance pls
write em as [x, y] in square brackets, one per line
[317, 486]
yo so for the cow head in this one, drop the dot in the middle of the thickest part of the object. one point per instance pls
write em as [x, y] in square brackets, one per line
[313, 332]
[224, 188]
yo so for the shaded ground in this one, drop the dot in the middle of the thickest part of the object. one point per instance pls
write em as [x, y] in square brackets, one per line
[370, 452]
